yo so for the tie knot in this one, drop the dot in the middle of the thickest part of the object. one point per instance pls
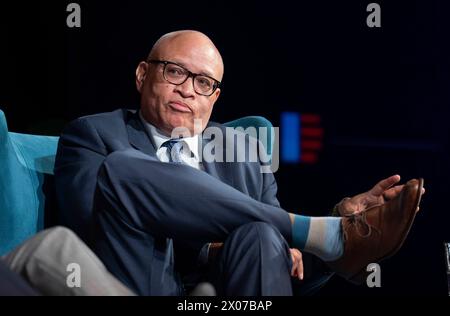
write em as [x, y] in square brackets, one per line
[175, 149]
[169, 144]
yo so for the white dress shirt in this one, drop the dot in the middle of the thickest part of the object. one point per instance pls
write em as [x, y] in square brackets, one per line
[163, 153]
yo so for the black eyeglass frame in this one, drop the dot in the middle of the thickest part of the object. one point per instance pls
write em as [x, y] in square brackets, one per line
[190, 74]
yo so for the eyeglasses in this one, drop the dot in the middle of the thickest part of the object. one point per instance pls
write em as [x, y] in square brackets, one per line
[177, 75]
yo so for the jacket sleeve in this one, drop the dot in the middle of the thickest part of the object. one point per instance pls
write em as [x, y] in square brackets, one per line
[269, 190]
[80, 154]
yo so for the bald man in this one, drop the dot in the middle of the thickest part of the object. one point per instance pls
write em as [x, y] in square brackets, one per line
[135, 186]
[168, 106]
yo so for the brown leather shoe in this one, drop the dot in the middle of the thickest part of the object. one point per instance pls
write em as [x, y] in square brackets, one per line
[377, 233]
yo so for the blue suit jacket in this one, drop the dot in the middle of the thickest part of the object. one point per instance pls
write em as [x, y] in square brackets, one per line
[82, 149]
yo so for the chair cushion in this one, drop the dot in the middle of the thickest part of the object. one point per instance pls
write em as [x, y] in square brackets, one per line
[251, 125]
[24, 160]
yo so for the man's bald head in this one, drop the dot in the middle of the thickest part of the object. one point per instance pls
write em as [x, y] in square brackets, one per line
[167, 105]
[189, 40]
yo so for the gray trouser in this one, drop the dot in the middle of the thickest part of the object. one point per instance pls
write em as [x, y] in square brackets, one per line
[57, 262]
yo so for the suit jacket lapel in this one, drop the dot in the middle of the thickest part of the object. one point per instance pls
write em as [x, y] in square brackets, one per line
[141, 140]
[138, 135]
[219, 170]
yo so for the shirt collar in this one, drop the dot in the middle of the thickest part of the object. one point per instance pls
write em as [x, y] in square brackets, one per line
[159, 138]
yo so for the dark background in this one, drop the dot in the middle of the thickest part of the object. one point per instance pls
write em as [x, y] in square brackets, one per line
[383, 94]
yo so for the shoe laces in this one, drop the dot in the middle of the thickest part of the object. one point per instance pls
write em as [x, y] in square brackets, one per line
[362, 227]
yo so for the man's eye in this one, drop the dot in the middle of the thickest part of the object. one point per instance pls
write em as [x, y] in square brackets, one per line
[204, 82]
[175, 71]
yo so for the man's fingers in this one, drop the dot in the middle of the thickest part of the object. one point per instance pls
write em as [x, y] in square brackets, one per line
[297, 263]
[393, 192]
[300, 268]
[418, 208]
[294, 263]
[294, 266]
[385, 184]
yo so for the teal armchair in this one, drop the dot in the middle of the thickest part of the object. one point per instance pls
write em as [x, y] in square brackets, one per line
[26, 161]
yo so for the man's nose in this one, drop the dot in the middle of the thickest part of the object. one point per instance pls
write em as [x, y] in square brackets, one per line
[186, 89]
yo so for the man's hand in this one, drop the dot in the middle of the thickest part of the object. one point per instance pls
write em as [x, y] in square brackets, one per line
[382, 192]
[297, 263]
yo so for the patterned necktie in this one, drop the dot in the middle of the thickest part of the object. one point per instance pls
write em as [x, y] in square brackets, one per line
[174, 148]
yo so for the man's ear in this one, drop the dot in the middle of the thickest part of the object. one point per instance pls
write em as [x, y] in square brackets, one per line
[216, 95]
[141, 72]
